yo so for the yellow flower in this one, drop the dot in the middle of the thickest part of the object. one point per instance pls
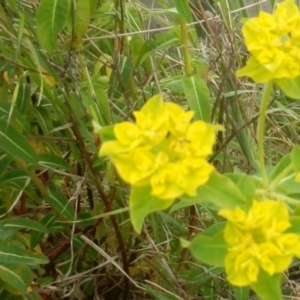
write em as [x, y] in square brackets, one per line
[179, 120]
[152, 120]
[195, 172]
[163, 149]
[274, 43]
[165, 182]
[136, 166]
[128, 137]
[257, 240]
[173, 180]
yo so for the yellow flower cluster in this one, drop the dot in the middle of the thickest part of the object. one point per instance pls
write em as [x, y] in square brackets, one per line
[162, 149]
[257, 241]
[274, 42]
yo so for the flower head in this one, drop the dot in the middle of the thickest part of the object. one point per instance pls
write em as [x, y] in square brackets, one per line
[163, 149]
[257, 240]
[274, 43]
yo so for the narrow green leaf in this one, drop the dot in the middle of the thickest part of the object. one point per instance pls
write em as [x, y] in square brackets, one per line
[183, 9]
[48, 222]
[209, 250]
[16, 276]
[52, 161]
[125, 69]
[15, 144]
[80, 244]
[197, 95]
[161, 41]
[51, 16]
[267, 287]
[82, 20]
[283, 164]
[142, 203]
[13, 101]
[61, 204]
[13, 254]
[103, 104]
[5, 160]
[21, 223]
[157, 295]
[43, 118]
[23, 97]
[13, 176]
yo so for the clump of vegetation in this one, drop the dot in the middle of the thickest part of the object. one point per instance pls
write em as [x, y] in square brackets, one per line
[72, 227]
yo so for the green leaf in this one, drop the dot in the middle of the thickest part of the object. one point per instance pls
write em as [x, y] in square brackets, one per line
[295, 222]
[5, 160]
[51, 222]
[13, 254]
[295, 157]
[82, 20]
[245, 183]
[61, 204]
[21, 223]
[219, 190]
[13, 176]
[80, 244]
[107, 134]
[103, 104]
[183, 10]
[157, 295]
[267, 287]
[51, 16]
[209, 250]
[197, 95]
[52, 161]
[215, 229]
[17, 276]
[291, 87]
[281, 166]
[23, 97]
[161, 41]
[15, 144]
[241, 293]
[142, 203]
[125, 70]
[43, 118]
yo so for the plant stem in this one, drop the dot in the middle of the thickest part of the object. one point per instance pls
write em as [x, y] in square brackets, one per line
[185, 50]
[261, 130]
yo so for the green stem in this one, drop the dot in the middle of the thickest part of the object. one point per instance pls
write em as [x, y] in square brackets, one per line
[261, 130]
[185, 50]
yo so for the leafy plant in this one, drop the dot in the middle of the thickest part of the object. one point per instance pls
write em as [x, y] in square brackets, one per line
[70, 69]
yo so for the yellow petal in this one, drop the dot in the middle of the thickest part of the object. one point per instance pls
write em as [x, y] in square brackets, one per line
[135, 167]
[127, 133]
[195, 172]
[164, 182]
[110, 148]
